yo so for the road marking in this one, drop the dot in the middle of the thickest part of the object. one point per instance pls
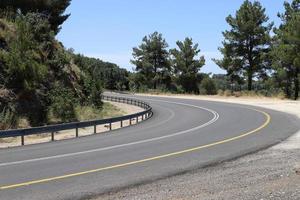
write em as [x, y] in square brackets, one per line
[214, 119]
[268, 119]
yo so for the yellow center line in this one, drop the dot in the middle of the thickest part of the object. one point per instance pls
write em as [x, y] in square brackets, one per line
[268, 119]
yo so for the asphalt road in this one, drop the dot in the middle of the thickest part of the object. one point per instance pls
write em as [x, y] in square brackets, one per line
[182, 135]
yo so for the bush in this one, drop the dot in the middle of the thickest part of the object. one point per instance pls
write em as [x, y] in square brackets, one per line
[208, 87]
[227, 93]
[8, 115]
[237, 94]
[220, 92]
[8, 118]
[92, 91]
[62, 108]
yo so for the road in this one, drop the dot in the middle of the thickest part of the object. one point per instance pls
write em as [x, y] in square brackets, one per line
[181, 136]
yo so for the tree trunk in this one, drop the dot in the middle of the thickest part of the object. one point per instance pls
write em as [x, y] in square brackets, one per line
[250, 80]
[288, 86]
[231, 85]
[287, 90]
[155, 81]
[296, 83]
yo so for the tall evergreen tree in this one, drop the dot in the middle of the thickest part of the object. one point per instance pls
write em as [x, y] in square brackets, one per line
[151, 59]
[248, 40]
[286, 48]
[186, 65]
[232, 66]
[53, 9]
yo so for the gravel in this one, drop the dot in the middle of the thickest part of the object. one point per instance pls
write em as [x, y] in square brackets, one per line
[270, 174]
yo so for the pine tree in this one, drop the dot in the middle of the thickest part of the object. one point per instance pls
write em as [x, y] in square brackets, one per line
[248, 40]
[286, 48]
[53, 9]
[186, 65]
[232, 66]
[151, 59]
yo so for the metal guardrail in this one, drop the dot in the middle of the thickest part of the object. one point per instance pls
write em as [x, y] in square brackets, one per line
[147, 113]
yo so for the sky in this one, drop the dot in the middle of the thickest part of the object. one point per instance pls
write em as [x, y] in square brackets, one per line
[109, 29]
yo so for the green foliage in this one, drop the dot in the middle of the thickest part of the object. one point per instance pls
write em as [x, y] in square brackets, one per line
[151, 60]
[186, 66]
[93, 91]
[247, 43]
[8, 117]
[53, 9]
[41, 74]
[285, 50]
[62, 104]
[106, 74]
[233, 67]
[23, 66]
[208, 86]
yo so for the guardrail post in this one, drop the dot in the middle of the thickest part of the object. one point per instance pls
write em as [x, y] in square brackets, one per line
[121, 123]
[95, 129]
[130, 121]
[76, 132]
[22, 140]
[110, 126]
[52, 136]
[137, 119]
[142, 117]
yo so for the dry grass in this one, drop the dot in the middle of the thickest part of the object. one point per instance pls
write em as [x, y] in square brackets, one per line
[220, 94]
[88, 113]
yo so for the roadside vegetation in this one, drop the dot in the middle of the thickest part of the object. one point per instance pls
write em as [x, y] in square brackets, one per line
[42, 82]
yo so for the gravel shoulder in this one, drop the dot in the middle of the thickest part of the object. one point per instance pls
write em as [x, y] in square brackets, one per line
[273, 173]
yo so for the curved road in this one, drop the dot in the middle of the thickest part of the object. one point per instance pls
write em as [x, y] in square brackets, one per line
[182, 135]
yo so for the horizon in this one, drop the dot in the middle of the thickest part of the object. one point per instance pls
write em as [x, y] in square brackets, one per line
[111, 33]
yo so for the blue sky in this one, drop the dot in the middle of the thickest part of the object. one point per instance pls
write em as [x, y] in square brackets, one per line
[108, 29]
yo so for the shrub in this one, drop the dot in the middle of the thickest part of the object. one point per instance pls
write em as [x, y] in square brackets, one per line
[8, 118]
[227, 93]
[62, 107]
[220, 92]
[208, 86]
[237, 94]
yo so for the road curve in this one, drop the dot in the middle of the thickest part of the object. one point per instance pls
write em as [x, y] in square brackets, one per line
[182, 135]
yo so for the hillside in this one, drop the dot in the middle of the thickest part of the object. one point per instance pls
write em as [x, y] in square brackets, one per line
[40, 81]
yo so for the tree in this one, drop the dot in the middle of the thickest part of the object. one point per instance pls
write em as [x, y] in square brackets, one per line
[23, 64]
[53, 9]
[186, 65]
[110, 75]
[151, 59]
[248, 40]
[286, 48]
[233, 66]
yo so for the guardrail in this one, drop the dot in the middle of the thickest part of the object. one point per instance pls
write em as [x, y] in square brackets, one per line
[147, 113]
